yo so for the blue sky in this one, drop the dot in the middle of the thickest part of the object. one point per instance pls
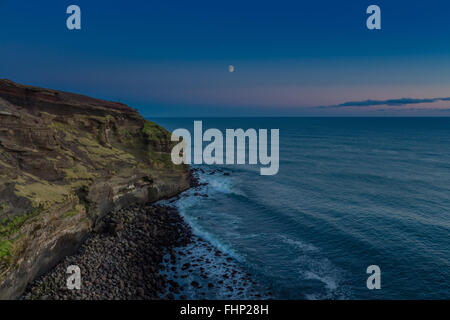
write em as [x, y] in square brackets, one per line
[171, 58]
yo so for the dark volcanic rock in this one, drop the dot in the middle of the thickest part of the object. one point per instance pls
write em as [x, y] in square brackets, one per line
[121, 265]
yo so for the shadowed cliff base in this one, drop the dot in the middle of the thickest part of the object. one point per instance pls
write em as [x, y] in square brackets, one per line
[65, 161]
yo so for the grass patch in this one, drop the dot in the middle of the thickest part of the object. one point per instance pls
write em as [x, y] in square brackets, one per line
[11, 226]
[127, 134]
[42, 193]
[78, 172]
[5, 250]
[101, 155]
[3, 207]
[155, 132]
[159, 160]
[75, 210]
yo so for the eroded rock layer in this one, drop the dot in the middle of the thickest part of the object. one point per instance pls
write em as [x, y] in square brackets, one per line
[65, 161]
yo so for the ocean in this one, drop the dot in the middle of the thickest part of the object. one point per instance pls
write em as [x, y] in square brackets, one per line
[350, 193]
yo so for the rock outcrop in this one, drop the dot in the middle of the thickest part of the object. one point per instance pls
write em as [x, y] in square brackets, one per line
[65, 161]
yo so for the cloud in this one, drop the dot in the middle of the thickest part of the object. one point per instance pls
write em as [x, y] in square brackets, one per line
[389, 102]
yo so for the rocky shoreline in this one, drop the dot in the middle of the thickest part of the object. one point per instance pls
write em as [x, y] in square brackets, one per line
[146, 252]
[121, 260]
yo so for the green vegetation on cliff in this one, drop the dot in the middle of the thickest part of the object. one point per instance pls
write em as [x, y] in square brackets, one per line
[5, 250]
[155, 132]
[10, 226]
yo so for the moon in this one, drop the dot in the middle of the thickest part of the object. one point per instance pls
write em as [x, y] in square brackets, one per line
[231, 68]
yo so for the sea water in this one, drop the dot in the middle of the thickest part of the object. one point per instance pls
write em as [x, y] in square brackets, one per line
[350, 193]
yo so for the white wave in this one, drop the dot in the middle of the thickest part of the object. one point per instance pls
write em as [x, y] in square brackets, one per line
[322, 270]
[297, 244]
[221, 271]
[219, 183]
[330, 282]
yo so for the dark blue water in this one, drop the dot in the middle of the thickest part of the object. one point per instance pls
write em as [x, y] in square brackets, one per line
[351, 192]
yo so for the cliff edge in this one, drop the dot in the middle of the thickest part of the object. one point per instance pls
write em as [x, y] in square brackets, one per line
[65, 161]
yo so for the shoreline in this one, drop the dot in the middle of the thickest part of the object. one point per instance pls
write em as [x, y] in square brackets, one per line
[119, 261]
[147, 252]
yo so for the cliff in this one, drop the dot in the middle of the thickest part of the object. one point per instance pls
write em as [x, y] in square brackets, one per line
[65, 161]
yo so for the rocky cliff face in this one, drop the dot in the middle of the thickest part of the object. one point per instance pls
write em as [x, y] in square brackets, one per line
[66, 160]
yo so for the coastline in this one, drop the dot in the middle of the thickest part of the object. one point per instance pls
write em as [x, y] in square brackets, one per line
[148, 252]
